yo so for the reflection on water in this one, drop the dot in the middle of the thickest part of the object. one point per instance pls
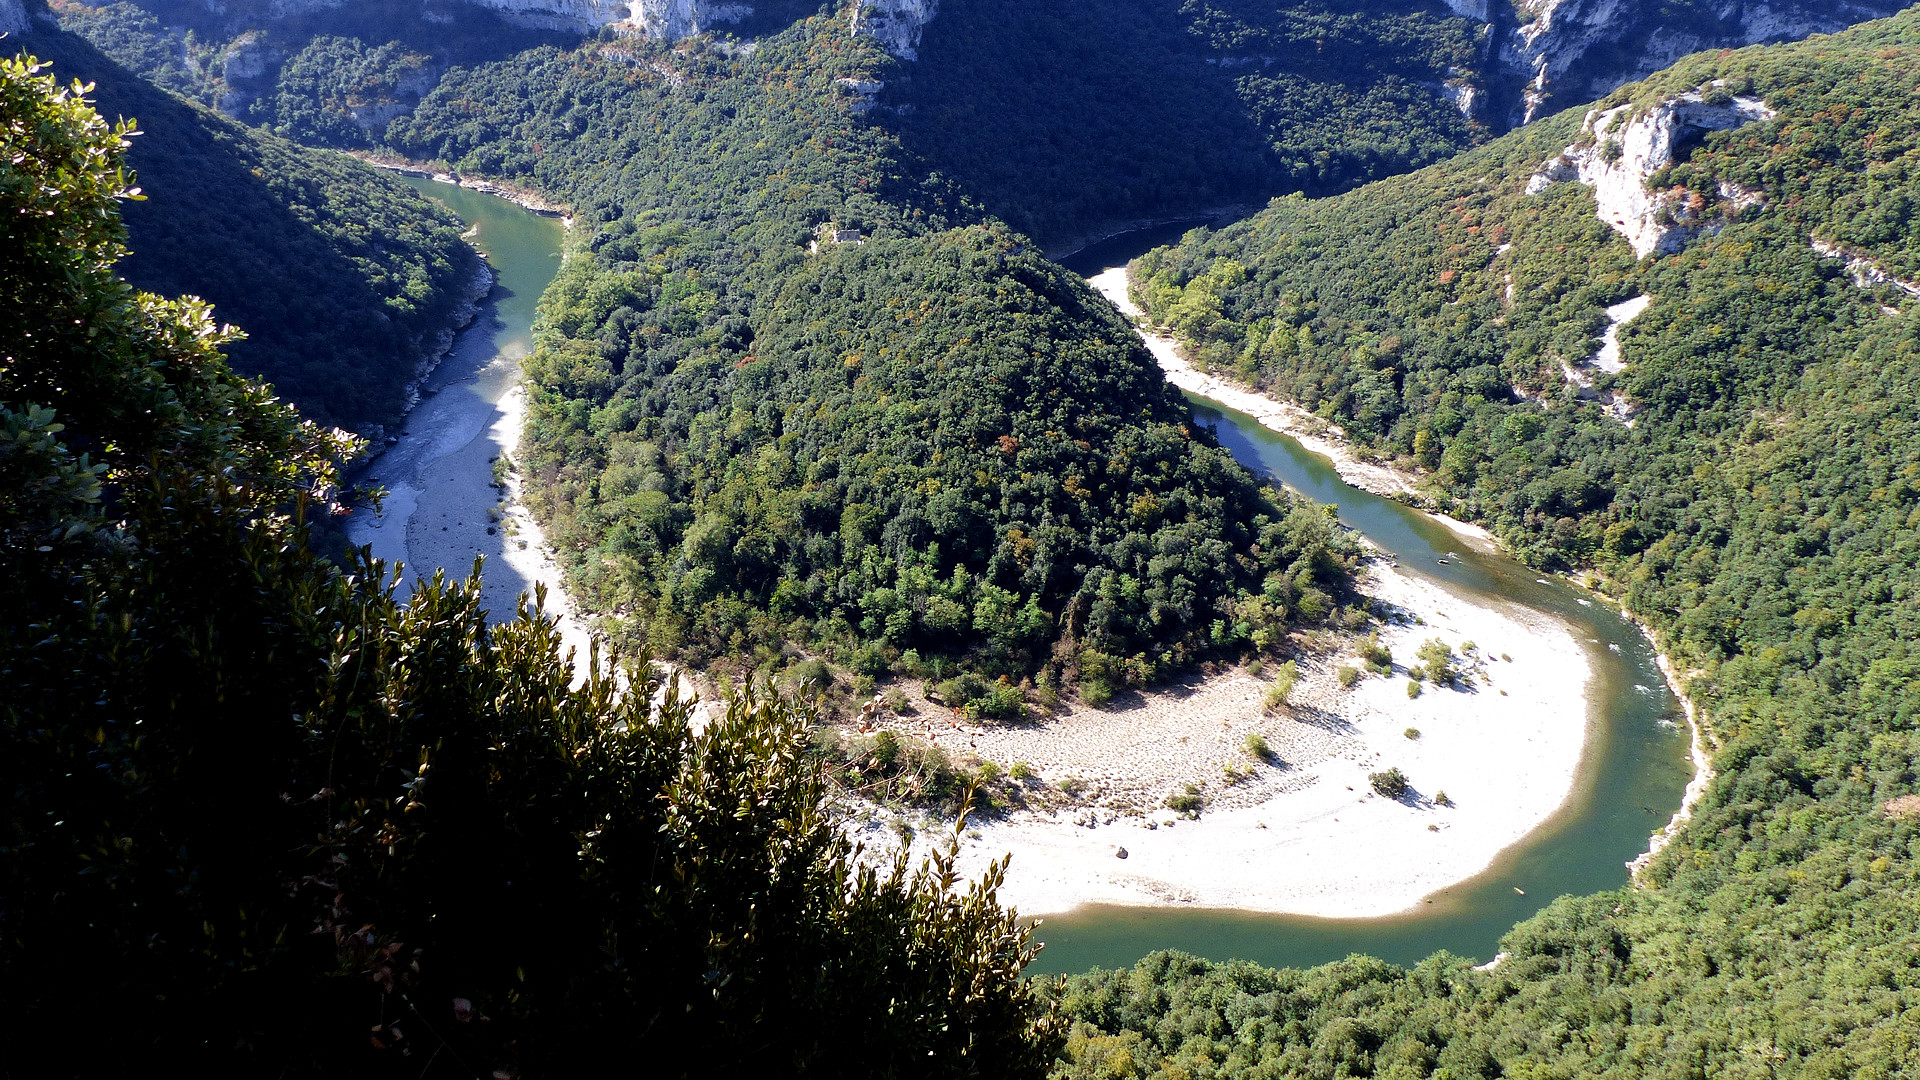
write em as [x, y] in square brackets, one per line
[1629, 783]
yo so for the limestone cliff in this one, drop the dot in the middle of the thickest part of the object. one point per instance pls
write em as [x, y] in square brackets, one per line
[1562, 51]
[661, 20]
[578, 15]
[895, 24]
[1621, 148]
[13, 17]
[248, 67]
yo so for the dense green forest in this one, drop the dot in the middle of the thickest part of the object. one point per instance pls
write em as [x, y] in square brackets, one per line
[1033, 110]
[342, 278]
[1762, 512]
[800, 383]
[1060, 118]
[787, 390]
[264, 819]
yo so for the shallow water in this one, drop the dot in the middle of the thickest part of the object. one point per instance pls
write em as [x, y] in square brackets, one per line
[1629, 783]
[439, 473]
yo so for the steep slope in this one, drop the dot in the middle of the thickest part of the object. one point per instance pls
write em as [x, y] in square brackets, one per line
[790, 388]
[1728, 430]
[345, 281]
[1064, 120]
[1552, 53]
[240, 781]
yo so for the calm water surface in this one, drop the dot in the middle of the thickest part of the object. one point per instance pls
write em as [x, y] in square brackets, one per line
[1630, 779]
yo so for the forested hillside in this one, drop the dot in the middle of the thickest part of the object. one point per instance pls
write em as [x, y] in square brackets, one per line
[1761, 511]
[343, 279]
[1042, 112]
[790, 389]
[1063, 117]
[261, 818]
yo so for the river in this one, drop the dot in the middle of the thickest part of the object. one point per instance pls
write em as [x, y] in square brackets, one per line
[442, 509]
[1630, 779]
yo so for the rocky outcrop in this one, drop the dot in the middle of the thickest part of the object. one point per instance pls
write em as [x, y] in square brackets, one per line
[671, 20]
[1574, 50]
[248, 68]
[661, 20]
[1620, 149]
[574, 15]
[1865, 273]
[895, 24]
[865, 92]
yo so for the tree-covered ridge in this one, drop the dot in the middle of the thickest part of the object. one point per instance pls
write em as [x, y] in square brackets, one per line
[136, 39]
[1762, 512]
[1034, 110]
[1064, 117]
[375, 837]
[342, 278]
[778, 394]
[936, 444]
[338, 91]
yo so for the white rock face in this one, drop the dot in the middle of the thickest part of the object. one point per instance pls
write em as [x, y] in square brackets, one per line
[247, 67]
[671, 20]
[895, 24]
[1618, 315]
[1619, 151]
[1550, 44]
[13, 17]
[576, 15]
[662, 20]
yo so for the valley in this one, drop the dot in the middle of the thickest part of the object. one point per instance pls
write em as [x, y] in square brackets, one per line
[450, 492]
[1575, 779]
[1448, 617]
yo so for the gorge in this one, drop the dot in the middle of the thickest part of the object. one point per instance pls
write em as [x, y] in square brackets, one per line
[1623, 768]
[1280, 592]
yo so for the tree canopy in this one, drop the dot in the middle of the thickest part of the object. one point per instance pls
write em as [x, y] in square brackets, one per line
[788, 388]
[264, 817]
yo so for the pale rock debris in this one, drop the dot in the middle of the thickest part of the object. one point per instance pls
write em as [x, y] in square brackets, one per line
[1620, 314]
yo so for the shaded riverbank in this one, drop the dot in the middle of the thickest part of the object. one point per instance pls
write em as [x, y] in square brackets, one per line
[446, 503]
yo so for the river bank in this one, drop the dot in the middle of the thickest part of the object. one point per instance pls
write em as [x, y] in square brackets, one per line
[446, 505]
[1385, 481]
[1698, 753]
[1488, 759]
[1305, 428]
[523, 197]
[1330, 442]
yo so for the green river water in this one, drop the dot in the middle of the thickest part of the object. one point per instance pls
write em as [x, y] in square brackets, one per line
[1630, 780]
